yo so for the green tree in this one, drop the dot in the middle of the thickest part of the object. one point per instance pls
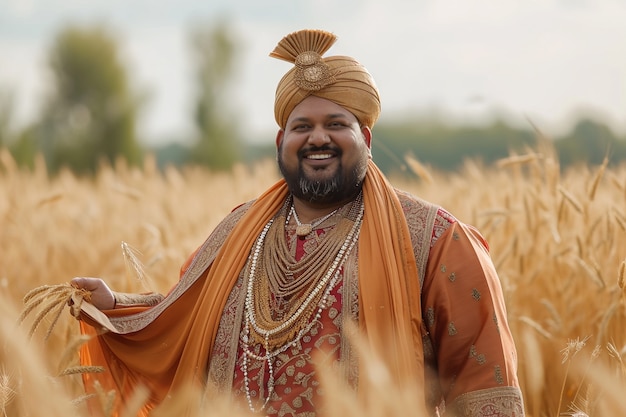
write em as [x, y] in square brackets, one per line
[90, 115]
[214, 56]
[589, 142]
[6, 113]
[19, 142]
[445, 147]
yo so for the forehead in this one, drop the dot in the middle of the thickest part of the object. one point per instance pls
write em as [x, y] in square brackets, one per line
[314, 107]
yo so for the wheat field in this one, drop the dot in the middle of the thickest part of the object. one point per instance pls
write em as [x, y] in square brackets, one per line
[558, 240]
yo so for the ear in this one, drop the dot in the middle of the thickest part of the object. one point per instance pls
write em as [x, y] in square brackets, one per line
[279, 137]
[367, 136]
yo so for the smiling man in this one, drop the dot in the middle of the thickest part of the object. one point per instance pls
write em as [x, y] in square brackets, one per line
[265, 302]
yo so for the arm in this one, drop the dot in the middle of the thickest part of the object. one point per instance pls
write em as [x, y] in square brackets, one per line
[103, 298]
[465, 316]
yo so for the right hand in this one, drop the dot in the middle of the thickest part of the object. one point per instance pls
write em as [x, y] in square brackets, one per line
[101, 295]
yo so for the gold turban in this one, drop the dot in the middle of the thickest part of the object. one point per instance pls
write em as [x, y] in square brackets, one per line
[340, 79]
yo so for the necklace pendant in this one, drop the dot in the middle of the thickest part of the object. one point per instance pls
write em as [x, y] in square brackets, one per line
[303, 229]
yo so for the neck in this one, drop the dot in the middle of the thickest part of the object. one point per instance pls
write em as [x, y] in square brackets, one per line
[309, 211]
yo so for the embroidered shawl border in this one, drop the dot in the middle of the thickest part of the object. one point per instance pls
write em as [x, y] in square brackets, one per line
[499, 401]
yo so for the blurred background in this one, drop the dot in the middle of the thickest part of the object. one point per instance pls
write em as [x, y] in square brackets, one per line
[191, 82]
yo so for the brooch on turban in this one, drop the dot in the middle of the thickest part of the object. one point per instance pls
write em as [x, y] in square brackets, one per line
[312, 73]
[305, 49]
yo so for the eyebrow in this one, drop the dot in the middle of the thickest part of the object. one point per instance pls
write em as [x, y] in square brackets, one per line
[330, 116]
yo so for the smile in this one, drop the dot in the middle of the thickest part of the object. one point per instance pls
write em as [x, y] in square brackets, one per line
[319, 156]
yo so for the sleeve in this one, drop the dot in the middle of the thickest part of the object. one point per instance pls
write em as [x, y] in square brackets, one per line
[465, 316]
[124, 299]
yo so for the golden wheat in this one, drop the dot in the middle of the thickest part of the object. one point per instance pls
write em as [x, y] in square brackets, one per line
[597, 178]
[557, 238]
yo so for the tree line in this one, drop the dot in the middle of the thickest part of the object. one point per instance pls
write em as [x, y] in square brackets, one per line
[90, 115]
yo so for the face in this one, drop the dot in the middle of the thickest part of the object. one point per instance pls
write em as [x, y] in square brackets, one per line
[323, 152]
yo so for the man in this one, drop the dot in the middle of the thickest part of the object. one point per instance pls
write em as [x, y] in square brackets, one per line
[268, 298]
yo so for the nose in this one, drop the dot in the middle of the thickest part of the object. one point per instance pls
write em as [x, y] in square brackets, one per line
[318, 137]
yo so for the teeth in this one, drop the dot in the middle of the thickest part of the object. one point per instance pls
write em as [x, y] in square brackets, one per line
[320, 156]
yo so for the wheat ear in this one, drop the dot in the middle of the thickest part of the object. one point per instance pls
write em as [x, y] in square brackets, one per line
[50, 299]
[106, 399]
[82, 399]
[71, 349]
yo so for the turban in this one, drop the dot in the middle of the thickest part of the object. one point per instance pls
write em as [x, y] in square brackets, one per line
[340, 79]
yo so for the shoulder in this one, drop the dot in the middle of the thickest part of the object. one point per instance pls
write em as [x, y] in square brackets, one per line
[240, 210]
[424, 216]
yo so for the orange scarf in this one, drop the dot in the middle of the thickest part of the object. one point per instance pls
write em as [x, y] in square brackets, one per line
[173, 351]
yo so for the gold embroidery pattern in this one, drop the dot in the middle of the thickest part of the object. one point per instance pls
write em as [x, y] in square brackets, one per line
[222, 359]
[480, 358]
[498, 374]
[349, 359]
[492, 402]
[442, 223]
[421, 217]
[312, 73]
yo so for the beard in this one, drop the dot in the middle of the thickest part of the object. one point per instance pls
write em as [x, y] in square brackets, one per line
[343, 185]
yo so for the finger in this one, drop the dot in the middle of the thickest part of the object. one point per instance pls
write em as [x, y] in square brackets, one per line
[77, 282]
[85, 283]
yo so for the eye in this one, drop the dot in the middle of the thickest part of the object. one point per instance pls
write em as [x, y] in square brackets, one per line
[300, 126]
[336, 124]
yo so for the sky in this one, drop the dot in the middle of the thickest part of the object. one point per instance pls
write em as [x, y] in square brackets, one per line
[463, 61]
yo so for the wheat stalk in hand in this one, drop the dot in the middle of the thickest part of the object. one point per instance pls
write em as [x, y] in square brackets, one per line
[49, 300]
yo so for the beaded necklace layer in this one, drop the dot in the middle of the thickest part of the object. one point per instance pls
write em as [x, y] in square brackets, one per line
[273, 272]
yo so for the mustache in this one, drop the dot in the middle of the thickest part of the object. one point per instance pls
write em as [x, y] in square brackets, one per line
[323, 148]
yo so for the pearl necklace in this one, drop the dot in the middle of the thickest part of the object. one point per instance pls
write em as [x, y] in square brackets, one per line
[327, 283]
[269, 355]
[303, 229]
